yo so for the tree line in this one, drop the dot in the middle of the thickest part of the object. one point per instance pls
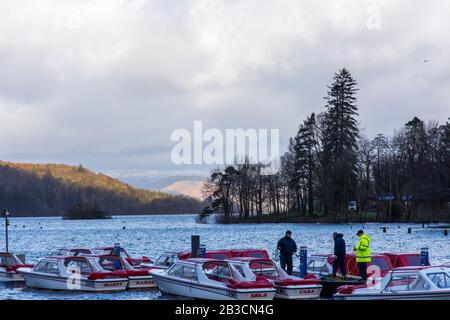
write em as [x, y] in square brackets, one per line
[57, 190]
[332, 172]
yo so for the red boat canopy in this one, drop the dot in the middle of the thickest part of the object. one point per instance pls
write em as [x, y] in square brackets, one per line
[404, 259]
[227, 254]
[380, 260]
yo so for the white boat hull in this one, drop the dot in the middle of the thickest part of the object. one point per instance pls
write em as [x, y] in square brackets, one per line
[144, 282]
[9, 276]
[56, 282]
[196, 290]
[297, 292]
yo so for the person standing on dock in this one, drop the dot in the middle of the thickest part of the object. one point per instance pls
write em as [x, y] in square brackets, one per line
[362, 250]
[288, 248]
[340, 252]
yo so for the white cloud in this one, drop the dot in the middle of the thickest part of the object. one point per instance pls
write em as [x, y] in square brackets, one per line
[105, 82]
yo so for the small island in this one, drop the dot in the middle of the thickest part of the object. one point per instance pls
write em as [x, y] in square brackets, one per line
[86, 211]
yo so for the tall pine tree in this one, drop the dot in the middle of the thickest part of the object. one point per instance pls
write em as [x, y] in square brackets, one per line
[340, 143]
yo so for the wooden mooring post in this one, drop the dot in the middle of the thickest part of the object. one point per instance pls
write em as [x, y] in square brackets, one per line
[195, 245]
[5, 214]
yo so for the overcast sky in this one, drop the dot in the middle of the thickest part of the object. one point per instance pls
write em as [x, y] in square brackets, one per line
[104, 83]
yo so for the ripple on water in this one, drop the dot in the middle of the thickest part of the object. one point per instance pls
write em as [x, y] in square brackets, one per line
[153, 235]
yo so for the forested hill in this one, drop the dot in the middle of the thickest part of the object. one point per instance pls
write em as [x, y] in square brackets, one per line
[51, 189]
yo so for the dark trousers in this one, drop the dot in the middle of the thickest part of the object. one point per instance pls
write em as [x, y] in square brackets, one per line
[339, 262]
[286, 261]
[362, 266]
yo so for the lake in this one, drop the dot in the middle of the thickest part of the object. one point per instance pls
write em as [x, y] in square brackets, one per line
[153, 235]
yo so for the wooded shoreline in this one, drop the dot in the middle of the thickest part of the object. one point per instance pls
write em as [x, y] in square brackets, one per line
[332, 172]
[295, 219]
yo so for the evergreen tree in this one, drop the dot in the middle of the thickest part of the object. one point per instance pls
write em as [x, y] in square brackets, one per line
[340, 142]
[416, 149]
[305, 160]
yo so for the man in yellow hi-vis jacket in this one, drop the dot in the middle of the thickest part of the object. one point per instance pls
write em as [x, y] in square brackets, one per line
[362, 250]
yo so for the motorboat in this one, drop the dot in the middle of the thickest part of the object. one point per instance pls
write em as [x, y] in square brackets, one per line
[211, 279]
[137, 278]
[287, 287]
[9, 263]
[134, 261]
[321, 266]
[406, 283]
[73, 274]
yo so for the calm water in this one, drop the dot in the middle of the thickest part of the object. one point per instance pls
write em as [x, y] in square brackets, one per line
[152, 235]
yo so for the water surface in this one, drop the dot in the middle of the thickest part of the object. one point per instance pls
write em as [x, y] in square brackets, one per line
[153, 235]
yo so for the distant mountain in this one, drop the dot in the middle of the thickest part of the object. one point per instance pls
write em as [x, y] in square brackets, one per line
[186, 187]
[50, 189]
[153, 181]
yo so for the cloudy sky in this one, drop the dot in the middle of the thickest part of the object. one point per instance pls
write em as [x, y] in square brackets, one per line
[104, 83]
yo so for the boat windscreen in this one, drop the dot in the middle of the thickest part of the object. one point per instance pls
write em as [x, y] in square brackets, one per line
[440, 279]
[79, 266]
[47, 267]
[264, 268]
[60, 253]
[218, 270]
[7, 260]
[111, 263]
[317, 266]
[165, 260]
[406, 282]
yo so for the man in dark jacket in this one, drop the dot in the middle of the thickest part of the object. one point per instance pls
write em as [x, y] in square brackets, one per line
[339, 252]
[287, 249]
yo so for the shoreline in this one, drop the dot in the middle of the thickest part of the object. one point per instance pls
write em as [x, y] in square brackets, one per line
[112, 216]
[321, 220]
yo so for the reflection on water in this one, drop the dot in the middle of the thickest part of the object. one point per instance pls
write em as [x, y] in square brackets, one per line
[152, 235]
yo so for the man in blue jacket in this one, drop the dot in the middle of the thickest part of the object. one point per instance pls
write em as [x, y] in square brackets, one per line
[340, 252]
[288, 248]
